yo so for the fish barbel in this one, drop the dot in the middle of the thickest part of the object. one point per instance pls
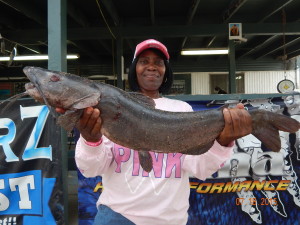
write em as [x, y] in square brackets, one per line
[131, 120]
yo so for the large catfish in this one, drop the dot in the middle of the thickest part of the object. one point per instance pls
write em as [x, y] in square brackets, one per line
[131, 120]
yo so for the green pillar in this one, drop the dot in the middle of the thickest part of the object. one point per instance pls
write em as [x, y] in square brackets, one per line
[231, 55]
[120, 62]
[57, 52]
[57, 30]
[297, 72]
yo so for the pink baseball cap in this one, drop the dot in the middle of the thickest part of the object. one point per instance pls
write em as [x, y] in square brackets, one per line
[151, 43]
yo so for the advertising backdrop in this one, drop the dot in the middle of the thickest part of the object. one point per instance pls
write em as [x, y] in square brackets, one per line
[255, 186]
[30, 169]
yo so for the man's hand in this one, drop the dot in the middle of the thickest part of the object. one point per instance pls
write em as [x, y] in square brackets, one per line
[238, 123]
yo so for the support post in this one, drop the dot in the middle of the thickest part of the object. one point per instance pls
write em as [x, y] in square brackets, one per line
[232, 67]
[57, 53]
[120, 62]
[297, 79]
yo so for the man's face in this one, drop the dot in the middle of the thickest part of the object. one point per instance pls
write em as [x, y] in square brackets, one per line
[150, 70]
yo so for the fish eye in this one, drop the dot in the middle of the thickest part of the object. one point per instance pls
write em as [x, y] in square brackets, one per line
[54, 78]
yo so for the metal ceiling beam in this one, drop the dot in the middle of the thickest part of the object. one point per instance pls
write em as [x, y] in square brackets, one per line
[83, 48]
[83, 21]
[33, 14]
[233, 7]
[261, 45]
[107, 47]
[180, 31]
[192, 12]
[8, 22]
[77, 15]
[273, 49]
[112, 11]
[28, 10]
[292, 49]
[293, 54]
[275, 7]
[164, 19]
[94, 33]
[210, 41]
[191, 15]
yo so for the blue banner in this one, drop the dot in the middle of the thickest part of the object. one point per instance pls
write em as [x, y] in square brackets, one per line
[30, 168]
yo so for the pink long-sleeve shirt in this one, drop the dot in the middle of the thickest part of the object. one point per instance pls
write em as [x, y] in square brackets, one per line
[160, 197]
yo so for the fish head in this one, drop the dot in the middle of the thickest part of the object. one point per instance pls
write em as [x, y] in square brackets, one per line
[60, 90]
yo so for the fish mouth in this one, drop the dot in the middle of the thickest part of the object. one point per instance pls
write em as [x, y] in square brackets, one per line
[35, 92]
[32, 90]
[29, 86]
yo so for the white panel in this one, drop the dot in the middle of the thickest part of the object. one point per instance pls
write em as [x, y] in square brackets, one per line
[257, 82]
[200, 83]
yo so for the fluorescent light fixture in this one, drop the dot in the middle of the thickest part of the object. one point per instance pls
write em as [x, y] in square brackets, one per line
[34, 57]
[207, 51]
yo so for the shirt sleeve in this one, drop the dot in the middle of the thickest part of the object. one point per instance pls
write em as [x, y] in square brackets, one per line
[203, 166]
[188, 108]
[93, 160]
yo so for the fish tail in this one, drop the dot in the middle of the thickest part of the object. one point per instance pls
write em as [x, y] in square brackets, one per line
[266, 126]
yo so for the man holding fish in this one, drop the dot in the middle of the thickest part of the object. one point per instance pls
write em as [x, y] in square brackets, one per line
[158, 195]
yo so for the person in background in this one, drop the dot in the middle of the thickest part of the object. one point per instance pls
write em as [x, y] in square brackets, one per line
[220, 90]
[234, 30]
[160, 197]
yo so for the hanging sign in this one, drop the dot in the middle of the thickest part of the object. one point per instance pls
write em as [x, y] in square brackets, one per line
[235, 31]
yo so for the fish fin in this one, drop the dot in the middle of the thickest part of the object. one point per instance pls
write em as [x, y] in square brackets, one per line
[145, 160]
[266, 126]
[69, 119]
[87, 101]
[142, 99]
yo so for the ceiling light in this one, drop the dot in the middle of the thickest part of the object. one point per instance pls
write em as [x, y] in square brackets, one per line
[207, 51]
[34, 57]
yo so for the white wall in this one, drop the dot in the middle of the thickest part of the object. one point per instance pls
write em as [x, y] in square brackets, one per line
[200, 83]
[256, 82]
[265, 81]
